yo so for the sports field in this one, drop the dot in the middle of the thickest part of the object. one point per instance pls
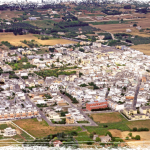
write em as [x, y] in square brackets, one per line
[42, 129]
[15, 40]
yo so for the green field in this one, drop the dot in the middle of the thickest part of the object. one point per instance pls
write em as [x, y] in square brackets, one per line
[107, 22]
[41, 23]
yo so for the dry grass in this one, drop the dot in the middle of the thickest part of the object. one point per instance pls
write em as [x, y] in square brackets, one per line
[106, 117]
[145, 48]
[116, 133]
[41, 129]
[139, 124]
[15, 40]
[8, 142]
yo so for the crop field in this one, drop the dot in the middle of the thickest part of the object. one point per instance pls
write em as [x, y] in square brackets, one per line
[145, 48]
[15, 40]
[42, 129]
[10, 14]
[10, 145]
[106, 117]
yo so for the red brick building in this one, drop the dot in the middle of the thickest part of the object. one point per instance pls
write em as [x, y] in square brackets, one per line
[96, 105]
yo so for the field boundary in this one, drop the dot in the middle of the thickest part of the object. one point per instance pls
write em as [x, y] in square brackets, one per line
[23, 130]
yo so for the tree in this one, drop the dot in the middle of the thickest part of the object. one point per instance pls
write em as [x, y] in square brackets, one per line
[134, 129]
[57, 59]
[130, 134]
[137, 137]
[89, 142]
[98, 139]
[134, 25]
[127, 138]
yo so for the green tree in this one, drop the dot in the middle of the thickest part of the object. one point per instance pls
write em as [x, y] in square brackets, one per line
[98, 139]
[137, 137]
[134, 129]
[108, 133]
[130, 134]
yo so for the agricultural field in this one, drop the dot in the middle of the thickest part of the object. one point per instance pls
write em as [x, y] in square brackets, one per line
[42, 129]
[145, 48]
[7, 14]
[16, 40]
[9, 142]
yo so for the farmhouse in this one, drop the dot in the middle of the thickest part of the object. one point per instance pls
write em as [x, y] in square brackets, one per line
[57, 143]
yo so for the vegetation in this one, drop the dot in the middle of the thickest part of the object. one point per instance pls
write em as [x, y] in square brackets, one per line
[66, 138]
[73, 99]
[56, 72]
[21, 64]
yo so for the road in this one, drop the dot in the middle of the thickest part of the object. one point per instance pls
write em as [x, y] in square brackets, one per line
[92, 123]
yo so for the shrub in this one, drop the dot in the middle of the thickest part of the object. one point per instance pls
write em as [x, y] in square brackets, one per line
[98, 139]
[132, 137]
[137, 137]
[134, 129]
[91, 136]
[89, 142]
[74, 133]
[130, 134]
[127, 138]
[102, 144]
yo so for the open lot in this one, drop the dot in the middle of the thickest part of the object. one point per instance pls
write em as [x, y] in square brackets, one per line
[106, 117]
[10, 145]
[42, 129]
[15, 40]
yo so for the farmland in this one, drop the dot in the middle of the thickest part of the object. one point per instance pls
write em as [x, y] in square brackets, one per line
[16, 40]
[145, 48]
[10, 145]
[10, 14]
[42, 129]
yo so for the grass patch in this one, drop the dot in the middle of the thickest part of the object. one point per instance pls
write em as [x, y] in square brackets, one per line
[10, 145]
[83, 137]
[109, 121]
[82, 121]
[3, 126]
